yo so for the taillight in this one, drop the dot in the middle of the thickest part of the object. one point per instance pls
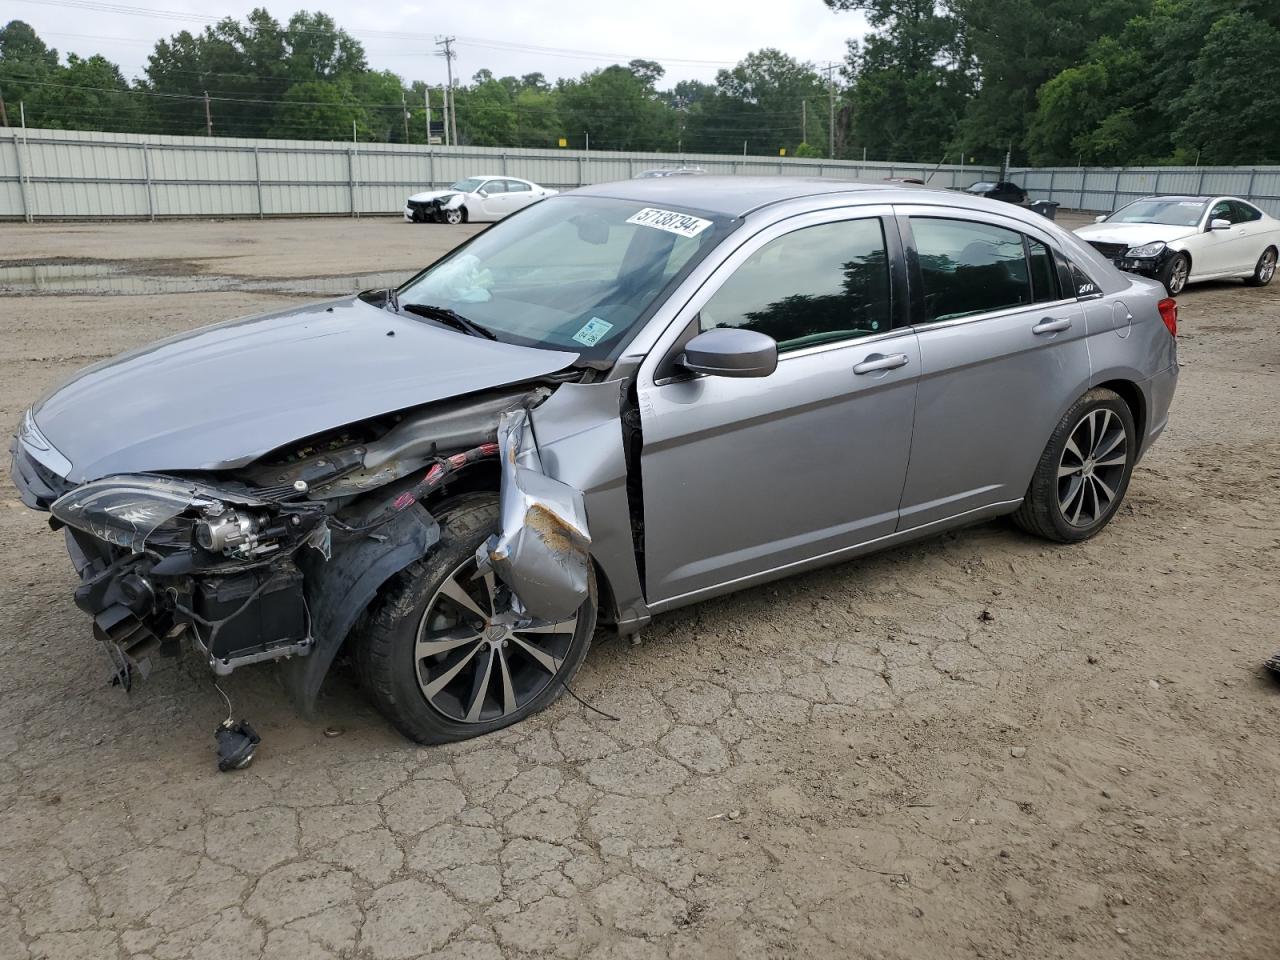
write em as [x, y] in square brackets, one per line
[1168, 308]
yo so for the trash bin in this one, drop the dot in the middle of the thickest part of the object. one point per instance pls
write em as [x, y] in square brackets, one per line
[1046, 208]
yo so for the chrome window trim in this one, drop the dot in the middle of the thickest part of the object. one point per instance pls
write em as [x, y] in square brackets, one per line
[889, 334]
[993, 315]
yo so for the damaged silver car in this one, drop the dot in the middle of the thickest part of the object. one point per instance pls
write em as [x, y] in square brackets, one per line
[618, 401]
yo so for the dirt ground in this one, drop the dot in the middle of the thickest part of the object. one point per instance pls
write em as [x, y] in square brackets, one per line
[978, 746]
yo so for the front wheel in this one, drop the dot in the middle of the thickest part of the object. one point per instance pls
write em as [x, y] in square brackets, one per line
[1265, 270]
[1084, 471]
[444, 656]
[454, 217]
[1175, 273]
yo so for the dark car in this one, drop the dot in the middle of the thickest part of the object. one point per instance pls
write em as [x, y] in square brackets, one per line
[1005, 190]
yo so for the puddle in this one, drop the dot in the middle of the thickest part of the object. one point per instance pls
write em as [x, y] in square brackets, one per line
[131, 278]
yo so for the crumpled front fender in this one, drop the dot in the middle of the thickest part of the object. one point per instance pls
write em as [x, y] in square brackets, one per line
[340, 588]
[543, 550]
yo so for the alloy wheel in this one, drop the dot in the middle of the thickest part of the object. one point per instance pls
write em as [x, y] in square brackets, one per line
[1178, 277]
[1267, 267]
[476, 660]
[453, 216]
[1092, 467]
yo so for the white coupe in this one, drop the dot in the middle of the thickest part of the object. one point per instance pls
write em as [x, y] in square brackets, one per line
[1181, 240]
[474, 199]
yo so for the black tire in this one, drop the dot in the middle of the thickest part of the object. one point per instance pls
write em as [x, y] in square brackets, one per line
[385, 642]
[1174, 274]
[455, 216]
[1265, 269]
[1042, 512]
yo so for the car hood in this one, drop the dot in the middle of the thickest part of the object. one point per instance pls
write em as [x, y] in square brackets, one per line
[431, 195]
[1133, 234]
[222, 396]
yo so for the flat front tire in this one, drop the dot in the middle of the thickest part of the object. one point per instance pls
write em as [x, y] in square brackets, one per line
[1081, 478]
[442, 655]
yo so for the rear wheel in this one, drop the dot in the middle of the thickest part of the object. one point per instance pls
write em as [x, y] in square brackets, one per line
[1265, 270]
[444, 656]
[1175, 273]
[1084, 471]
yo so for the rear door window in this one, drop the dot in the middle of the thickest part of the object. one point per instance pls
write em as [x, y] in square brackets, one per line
[969, 268]
[1044, 273]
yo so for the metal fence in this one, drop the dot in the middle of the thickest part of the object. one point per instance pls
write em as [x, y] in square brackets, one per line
[1106, 188]
[60, 174]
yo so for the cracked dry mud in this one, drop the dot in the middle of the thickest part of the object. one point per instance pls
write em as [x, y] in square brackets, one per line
[852, 763]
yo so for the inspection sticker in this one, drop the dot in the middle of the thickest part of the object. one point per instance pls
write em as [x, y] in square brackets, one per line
[670, 221]
[592, 331]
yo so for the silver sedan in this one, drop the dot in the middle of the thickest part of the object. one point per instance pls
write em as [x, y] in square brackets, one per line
[619, 401]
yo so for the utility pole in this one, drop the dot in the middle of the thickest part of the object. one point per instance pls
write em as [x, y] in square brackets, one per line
[804, 121]
[404, 109]
[208, 117]
[426, 104]
[448, 54]
[831, 121]
[4, 116]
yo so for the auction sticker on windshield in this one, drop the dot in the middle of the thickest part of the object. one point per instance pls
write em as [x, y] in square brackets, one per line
[592, 331]
[670, 221]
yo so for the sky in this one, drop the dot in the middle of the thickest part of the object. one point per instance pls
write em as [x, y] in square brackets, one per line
[692, 39]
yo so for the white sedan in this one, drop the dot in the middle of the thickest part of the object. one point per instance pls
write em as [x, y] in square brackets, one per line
[1181, 240]
[475, 199]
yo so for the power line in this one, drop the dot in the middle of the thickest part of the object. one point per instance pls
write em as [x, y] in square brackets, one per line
[188, 17]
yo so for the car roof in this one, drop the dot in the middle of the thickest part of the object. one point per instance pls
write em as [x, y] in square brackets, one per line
[730, 196]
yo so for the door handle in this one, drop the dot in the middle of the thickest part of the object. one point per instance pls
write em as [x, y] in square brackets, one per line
[876, 363]
[1049, 325]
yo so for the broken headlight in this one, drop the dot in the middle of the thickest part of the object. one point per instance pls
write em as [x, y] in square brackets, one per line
[131, 511]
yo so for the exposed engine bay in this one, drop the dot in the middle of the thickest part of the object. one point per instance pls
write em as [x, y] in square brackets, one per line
[277, 559]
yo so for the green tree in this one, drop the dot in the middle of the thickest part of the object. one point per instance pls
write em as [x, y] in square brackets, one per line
[759, 101]
[909, 80]
[1223, 117]
[317, 110]
[93, 95]
[1018, 46]
[618, 108]
[26, 63]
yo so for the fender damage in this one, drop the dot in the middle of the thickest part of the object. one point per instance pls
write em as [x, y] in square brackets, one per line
[277, 560]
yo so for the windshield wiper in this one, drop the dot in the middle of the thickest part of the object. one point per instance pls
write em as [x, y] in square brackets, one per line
[450, 317]
[392, 301]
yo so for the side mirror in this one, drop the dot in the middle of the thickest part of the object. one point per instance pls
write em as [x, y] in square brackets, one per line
[1217, 223]
[1099, 218]
[483, 192]
[731, 352]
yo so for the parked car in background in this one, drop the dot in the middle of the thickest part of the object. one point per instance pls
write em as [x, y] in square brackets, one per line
[1180, 240]
[622, 401]
[475, 199]
[659, 172]
[1005, 190]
